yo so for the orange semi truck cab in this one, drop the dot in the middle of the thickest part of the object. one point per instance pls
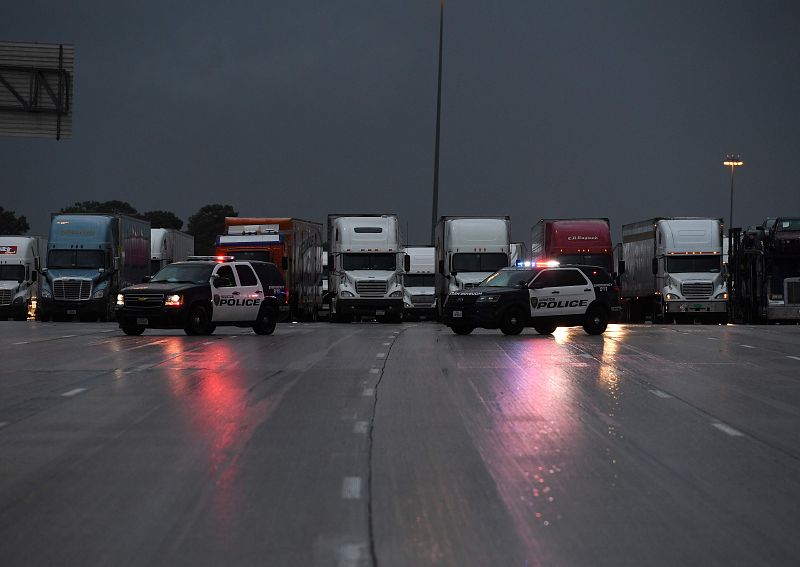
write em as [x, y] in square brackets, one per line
[293, 245]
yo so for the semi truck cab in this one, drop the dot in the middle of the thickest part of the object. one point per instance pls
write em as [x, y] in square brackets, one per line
[20, 263]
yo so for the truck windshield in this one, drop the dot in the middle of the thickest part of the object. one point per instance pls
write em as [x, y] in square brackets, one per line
[694, 264]
[184, 273]
[257, 255]
[10, 272]
[369, 261]
[602, 260]
[483, 262]
[508, 278]
[788, 225]
[419, 280]
[76, 259]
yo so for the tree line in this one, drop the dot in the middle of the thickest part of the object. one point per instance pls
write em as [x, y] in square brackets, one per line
[204, 225]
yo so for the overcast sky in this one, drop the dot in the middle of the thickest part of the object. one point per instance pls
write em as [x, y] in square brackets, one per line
[300, 108]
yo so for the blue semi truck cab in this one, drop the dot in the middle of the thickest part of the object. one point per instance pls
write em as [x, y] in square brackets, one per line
[90, 258]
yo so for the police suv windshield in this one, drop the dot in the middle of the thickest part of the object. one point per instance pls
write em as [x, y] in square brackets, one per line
[369, 261]
[184, 273]
[508, 278]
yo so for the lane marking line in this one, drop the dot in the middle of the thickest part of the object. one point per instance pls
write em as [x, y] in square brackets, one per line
[108, 331]
[747, 346]
[350, 554]
[74, 392]
[67, 336]
[22, 343]
[374, 370]
[361, 427]
[380, 355]
[660, 394]
[387, 344]
[794, 357]
[3, 424]
[728, 429]
[351, 488]
[368, 392]
[712, 338]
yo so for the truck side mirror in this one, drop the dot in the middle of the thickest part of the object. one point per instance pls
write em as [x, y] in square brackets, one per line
[116, 262]
[621, 267]
[285, 262]
[441, 267]
[407, 263]
[655, 266]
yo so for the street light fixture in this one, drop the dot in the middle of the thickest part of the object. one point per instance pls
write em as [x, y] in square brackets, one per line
[732, 160]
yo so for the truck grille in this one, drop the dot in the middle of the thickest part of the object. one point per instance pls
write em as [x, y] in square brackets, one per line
[422, 300]
[697, 290]
[143, 300]
[371, 288]
[5, 296]
[72, 290]
[792, 292]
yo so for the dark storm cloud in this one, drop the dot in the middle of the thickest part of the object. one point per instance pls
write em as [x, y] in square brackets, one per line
[303, 108]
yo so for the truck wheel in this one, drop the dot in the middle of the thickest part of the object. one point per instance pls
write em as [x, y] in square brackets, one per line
[132, 329]
[513, 321]
[265, 324]
[462, 329]
[199, 322]
[545, 328]
[596, 320]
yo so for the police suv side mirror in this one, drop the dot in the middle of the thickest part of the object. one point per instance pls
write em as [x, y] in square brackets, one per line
[407, 263]
[441, 267]
[537, 285]
[621, 267]
[655, 266]
[147, 279]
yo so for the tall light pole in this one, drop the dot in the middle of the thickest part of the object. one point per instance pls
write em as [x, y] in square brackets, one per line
[732, 160]
[435, 212]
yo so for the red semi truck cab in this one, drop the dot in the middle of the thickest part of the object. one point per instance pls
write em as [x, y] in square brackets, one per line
[573, 241]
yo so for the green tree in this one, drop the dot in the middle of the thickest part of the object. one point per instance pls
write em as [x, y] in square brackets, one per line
[163, 219]
[109, 207]
[206, 224]
[10, 223]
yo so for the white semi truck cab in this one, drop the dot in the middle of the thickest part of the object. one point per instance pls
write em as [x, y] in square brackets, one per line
[21, 259]
[419, 282]
[686, 277]
[468, 250]
[365, 267]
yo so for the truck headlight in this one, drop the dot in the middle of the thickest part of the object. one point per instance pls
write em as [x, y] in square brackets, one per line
[120, 300]
[18, 300]
[45, 293]
[346, 294]
[175, 300]
[722, 295]
[672, 296]
[488, 299]
[398, 293]
[99, 293]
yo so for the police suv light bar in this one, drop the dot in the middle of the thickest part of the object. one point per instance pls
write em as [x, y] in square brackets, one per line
[210, 258]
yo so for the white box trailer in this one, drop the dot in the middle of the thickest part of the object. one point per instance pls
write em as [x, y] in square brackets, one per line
[671, 268]
[21, 259]
[419, 282]
[168, 245]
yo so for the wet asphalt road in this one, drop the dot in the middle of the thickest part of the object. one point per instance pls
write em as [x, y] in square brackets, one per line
[387, 445]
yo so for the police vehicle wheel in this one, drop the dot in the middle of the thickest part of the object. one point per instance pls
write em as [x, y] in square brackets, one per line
[513, 321]
[596, 320]
[133, 330]
[545, 328]
[265, 324]
[198, 322]
[462, 329]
